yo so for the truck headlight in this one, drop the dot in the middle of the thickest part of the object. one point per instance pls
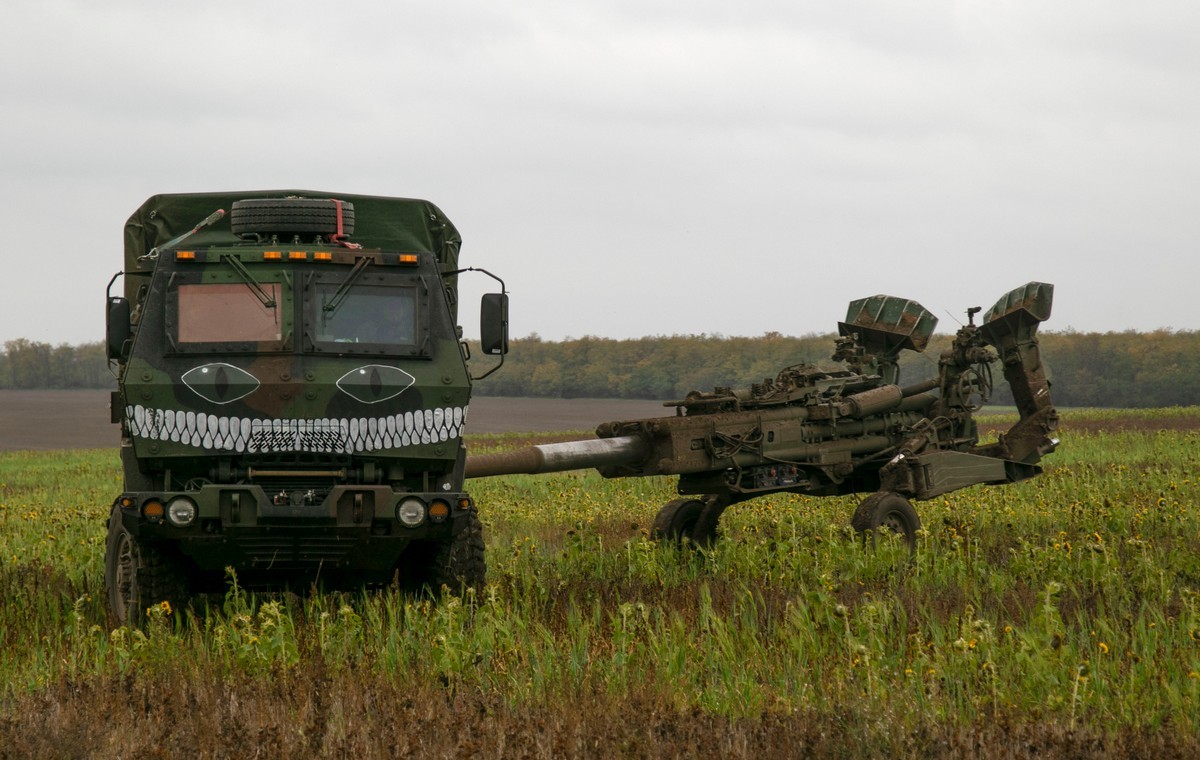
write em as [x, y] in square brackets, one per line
[411, 512]
[181, 511]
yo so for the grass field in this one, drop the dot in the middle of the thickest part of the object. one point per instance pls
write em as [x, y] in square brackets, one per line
[1055, 618]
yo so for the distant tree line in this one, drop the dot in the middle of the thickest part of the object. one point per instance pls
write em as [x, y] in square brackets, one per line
[30, 364]
[1126, 369]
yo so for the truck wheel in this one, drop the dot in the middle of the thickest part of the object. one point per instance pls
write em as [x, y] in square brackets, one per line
[137, 576]
[264, 216]
[887, 510]
[459, 563]
[680, 519]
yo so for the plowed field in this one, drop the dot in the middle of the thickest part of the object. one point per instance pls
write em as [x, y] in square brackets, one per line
[44, 420]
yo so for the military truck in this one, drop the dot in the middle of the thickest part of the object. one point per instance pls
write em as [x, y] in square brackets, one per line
[293, 390]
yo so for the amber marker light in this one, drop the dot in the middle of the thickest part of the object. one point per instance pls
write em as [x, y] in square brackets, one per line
[153, 510]
[408, 258]
[439, 511]
[272, 255]
[322, 256]
[297, 256]
[185, 255]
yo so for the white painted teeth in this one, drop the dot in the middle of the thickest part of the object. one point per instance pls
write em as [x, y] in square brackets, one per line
[329, 435]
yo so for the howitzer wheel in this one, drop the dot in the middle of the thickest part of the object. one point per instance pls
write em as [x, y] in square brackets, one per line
[138, 575]
[681, 519]
[887, 510]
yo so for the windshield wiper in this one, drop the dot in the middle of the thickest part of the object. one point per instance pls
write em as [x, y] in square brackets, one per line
[248, 278]
[339, 295]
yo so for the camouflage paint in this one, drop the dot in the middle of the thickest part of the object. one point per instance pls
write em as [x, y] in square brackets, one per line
[297, 450]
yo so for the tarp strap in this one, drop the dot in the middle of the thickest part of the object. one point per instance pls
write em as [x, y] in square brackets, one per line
[340, 237]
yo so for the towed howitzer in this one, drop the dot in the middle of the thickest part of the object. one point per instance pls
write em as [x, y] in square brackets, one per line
[835, 432]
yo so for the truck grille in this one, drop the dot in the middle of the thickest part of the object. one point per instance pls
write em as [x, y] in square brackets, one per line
[295, 552]
[297, 439]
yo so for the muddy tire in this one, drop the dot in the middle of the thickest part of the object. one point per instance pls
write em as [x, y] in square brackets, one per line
[679, 520]
[268, 216]
[138, 576]
[889, 511]
[458, 564]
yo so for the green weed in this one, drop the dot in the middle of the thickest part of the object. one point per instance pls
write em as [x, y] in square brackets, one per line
[1070, 600]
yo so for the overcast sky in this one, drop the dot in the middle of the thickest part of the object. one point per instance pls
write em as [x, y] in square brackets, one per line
[635, 167]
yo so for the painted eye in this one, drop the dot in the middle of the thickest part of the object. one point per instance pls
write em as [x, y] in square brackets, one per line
[375, 382]
[220, 383]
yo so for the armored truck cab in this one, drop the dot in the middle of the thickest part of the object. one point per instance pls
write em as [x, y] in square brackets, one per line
[293, 390]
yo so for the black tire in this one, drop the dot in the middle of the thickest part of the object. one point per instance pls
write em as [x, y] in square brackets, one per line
[138, 576]
[459, 563]
[266, 216]
[679, 520]
[887, 510]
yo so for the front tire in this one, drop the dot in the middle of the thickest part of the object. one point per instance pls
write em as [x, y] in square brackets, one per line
[137, 575]
[459, 563]
[680, 519]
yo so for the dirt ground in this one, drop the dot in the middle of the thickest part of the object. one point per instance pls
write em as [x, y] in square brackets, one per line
[56, 420]
[79, 419]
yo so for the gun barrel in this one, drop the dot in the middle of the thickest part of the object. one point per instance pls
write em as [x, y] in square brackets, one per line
[558, 457]
[918, 388]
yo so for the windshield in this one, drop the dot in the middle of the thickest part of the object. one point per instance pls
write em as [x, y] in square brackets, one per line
[379, 315]
[227, 312]
[261, 310]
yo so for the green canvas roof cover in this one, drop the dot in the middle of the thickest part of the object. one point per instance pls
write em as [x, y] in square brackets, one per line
[396, 224]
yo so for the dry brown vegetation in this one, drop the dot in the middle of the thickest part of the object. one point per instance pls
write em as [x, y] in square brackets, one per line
[308, 712]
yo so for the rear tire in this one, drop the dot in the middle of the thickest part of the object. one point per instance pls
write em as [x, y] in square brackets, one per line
[266, 216]
[138, 575]
[887, 510]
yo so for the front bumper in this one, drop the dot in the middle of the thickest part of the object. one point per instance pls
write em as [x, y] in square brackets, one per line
[352, 529]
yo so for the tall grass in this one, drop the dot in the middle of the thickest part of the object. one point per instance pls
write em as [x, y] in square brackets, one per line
[1070, 602]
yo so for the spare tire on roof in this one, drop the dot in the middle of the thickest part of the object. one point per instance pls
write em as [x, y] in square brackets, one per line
[264, 216]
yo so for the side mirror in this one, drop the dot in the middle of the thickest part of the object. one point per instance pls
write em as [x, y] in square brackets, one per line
[493, 324]
[118, 331]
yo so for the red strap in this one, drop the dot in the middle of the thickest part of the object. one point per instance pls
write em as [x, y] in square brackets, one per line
[340, 237]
